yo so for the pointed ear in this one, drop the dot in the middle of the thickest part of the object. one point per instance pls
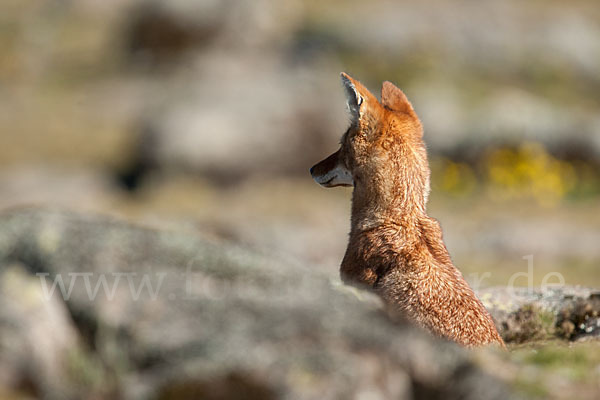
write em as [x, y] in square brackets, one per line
[394, 99]
[353, 97]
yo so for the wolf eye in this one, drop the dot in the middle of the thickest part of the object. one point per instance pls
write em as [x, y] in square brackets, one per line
[359, 100]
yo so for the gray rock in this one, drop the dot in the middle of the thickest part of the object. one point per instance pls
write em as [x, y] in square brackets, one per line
[159, 32]
[524, 314]
[238, 323]
[237, 115]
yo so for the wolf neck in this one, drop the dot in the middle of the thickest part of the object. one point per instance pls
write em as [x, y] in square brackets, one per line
[375, 205]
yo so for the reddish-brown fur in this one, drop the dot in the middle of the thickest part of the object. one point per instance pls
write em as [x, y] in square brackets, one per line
[395, 248]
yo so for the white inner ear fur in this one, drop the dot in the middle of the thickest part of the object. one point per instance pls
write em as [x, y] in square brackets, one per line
[353, 98]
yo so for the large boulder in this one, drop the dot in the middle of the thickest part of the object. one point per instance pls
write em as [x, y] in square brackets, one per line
[183, 317]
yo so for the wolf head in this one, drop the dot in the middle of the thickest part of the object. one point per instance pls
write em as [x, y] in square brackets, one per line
[383, 148]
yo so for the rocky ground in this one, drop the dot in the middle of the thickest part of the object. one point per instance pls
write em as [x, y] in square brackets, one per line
[223, 322]
[182, 315]
[230, 90]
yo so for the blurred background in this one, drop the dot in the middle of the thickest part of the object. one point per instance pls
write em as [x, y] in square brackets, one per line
[205, 116]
